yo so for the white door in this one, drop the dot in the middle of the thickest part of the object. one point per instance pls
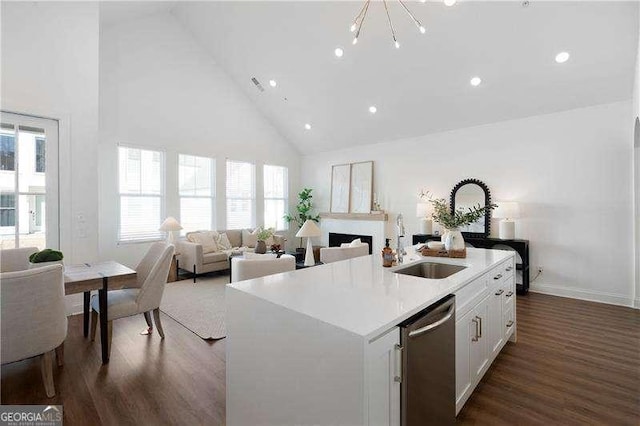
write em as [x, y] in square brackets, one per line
[383, 365]
[28, 182]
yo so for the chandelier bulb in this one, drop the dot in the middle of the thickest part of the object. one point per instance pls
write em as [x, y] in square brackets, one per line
[353, 27]
[422, 29]
[355, 40]
[397, 45]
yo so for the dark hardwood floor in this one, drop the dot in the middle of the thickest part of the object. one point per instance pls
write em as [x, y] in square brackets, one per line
[575, 363]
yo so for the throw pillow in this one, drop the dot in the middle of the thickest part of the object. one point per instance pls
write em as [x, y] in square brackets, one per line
[343, 245]
[205, 239]
[223, 242]
[355, 243]
[250, 238]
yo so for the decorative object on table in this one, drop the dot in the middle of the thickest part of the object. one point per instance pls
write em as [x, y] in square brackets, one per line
[387, 255]
[452, 220]
[507, 211]
[277, 248]
[376, 209]
[340, 186]
[303, 210]
[170, 226]
[309, 229]
[435, 245]
[442, 252]
[466, 195]
[361, 191]
[423, 213]
[263, 235]
[45, 257]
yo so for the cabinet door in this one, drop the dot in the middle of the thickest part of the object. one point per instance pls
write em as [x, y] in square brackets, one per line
[465, 332]
[383, 365]
[479, 352]
[495, 332]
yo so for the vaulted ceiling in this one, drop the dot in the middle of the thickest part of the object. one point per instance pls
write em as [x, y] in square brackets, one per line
[422, 87]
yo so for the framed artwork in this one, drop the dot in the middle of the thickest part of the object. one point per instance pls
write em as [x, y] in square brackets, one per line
[340, 183]
[361, 187]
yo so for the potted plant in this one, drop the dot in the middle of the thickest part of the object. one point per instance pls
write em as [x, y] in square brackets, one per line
[45, 257]
[452, 221]
[303, 211]
[263, 235]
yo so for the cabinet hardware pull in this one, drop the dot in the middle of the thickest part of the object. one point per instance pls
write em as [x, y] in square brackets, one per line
[480, 321]
[509, 294]
[509, 268]
[499, 292]
[497, 277]
[398, 352]
[475, 338]
[509, 324]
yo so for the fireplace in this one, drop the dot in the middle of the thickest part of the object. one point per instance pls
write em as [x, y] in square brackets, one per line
[335, 239]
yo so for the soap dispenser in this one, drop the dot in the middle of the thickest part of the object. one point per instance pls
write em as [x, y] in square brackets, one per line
[387, 255]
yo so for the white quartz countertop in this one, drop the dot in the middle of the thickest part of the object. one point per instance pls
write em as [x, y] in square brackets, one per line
[361, 296]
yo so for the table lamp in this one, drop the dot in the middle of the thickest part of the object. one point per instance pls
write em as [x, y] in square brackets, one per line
[507, 210]
[424, 212]
[170, 225]
[309, 229]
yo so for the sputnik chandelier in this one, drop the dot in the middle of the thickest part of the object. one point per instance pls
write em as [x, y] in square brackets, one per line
[359, 20]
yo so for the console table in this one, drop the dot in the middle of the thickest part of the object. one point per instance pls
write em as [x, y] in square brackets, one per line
[520, 246]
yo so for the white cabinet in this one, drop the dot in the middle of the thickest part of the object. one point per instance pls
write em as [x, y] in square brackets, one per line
[478, 347]
[383, 373]
[464, 329]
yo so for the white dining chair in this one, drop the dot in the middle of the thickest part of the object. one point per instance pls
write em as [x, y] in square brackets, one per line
[151, 274]
[17, 259]
[33, 318]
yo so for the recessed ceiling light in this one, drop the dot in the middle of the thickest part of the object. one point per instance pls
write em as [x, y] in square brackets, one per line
[562, 57]
[307, 126]
[339, 52]
[373, 109]
[449, 2]
[475, 81]
[272, 83]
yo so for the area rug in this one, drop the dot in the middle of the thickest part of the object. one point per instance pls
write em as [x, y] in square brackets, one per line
[199, 307]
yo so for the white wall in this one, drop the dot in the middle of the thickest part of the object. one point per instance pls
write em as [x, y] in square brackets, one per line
[160, 89]
[571, 172]
[636, 169]
[50, 69]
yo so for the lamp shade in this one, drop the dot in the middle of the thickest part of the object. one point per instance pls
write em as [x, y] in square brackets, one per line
[424, 210]
[507, 210]
[309, 229]
[170, 224]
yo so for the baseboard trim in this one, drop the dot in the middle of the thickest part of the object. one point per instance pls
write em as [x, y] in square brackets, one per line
[590, 295]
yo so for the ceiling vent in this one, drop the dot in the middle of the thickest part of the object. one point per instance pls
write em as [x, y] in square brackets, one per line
[257, 84]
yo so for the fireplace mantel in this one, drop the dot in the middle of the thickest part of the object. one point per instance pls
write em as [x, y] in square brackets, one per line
[381, 217]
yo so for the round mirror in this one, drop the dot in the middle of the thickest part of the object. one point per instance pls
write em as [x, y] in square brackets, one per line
[472, 193]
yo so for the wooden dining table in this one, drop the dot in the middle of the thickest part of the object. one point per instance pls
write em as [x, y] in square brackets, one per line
[101, 276]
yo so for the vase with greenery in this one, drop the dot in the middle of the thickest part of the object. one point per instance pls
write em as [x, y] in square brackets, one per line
[46, 257]
[263, 235]
[303, 210]
[451, 221]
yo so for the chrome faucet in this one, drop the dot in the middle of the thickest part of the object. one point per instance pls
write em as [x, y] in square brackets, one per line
[400, 230]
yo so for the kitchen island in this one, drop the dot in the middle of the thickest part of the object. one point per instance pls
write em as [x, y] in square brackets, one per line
[320, 345]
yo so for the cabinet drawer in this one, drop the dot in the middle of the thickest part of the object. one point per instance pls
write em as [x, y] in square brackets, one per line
[508, 321]
[468, 296]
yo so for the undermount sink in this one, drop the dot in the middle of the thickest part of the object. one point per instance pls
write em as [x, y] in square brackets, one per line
[430, 270]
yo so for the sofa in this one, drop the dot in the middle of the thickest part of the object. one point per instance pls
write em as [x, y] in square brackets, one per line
[246, 268]
[197, 254]
[344, 252]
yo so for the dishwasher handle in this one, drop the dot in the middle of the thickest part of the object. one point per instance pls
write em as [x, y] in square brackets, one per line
[434, 324]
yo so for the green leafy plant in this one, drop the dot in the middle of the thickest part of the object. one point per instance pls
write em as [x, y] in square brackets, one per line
[264, 234]
[460, 217]
[46, 255]
[303, 210]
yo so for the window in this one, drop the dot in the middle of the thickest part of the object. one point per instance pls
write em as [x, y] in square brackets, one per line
[40, 155]
[276, 185]
[141, 194]
[7, 209]
[197, 195]
[7, 152]
[240, 195]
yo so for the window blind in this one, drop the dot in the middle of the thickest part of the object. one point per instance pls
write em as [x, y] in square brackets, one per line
[197, 192]
[276, 186]
[240, 195]
[141, 194]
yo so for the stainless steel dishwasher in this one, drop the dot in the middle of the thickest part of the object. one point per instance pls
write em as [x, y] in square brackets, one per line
[428, 388]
